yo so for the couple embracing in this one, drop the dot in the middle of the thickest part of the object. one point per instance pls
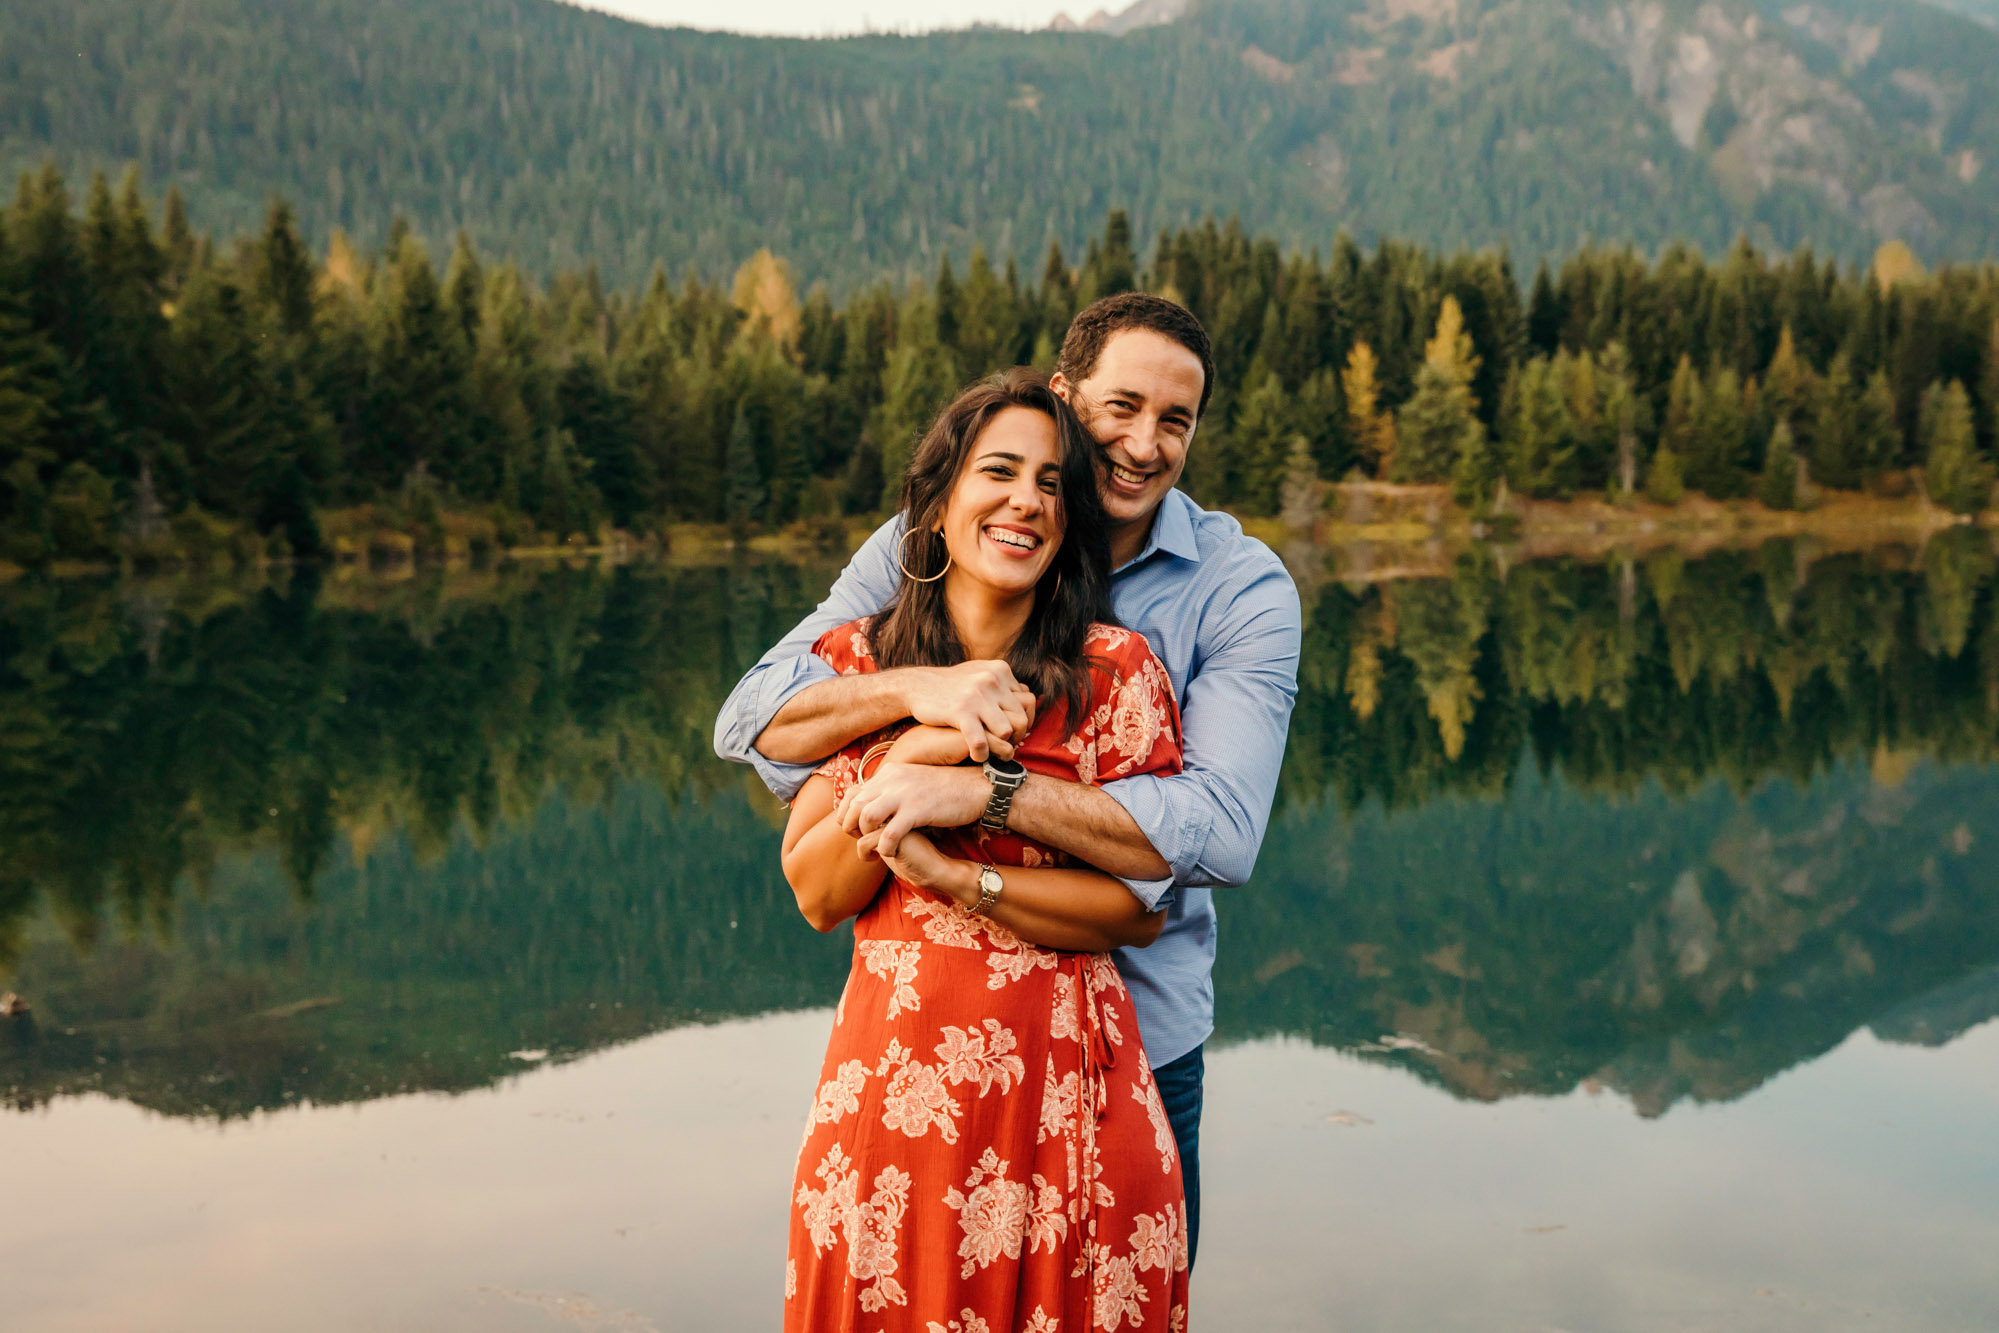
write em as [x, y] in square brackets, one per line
[1036, 722]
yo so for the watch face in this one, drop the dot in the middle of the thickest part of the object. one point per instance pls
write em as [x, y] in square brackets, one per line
[1009, 767]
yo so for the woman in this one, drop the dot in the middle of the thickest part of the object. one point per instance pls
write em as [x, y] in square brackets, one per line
[987, 1151]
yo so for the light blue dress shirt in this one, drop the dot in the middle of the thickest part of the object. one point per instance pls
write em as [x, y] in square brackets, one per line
[1222, 614]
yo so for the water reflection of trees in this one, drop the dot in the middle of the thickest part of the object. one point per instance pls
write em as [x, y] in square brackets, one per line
[1673, 826]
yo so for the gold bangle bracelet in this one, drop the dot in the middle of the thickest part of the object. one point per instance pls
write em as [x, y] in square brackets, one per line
[876, 751]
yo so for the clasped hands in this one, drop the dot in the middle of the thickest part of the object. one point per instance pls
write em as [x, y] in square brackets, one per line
[968, 711]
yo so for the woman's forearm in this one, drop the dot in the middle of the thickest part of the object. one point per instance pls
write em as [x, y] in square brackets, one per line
[830, 878]
[1082, 910]
[831, 881]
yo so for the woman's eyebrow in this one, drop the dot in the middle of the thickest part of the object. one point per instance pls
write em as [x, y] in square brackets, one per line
[1001, 453]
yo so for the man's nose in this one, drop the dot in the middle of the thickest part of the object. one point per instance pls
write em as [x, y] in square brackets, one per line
[1141, 441]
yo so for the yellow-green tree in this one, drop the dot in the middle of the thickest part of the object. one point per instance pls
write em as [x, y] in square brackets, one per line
[1372, 428]
[1439, 424]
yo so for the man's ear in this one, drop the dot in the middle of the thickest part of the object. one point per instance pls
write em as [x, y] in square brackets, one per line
[1059, 385]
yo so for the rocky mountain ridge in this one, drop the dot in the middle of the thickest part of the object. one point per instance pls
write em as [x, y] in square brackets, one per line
[566, 137]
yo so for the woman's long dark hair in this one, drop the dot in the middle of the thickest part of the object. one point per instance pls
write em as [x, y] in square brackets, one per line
[915, 628]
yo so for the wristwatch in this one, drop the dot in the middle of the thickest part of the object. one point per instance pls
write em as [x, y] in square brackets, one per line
[1006, 775]
[990, 885]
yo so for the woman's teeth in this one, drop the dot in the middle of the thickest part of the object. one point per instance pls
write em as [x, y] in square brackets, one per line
[1020, 540]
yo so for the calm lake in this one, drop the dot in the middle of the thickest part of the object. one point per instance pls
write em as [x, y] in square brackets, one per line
[1624, 956]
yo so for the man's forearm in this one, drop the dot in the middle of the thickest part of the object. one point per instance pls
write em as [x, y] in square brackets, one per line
[1087, 823]
[825, 717]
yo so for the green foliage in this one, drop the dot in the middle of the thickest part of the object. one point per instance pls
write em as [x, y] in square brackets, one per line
[1439, 429]
[562, 136]
[1956, 475]
[1255, 454]
[1777, 486]
[272, 389]
[1664, 481]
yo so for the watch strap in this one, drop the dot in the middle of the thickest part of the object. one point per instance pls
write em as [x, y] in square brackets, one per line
[1000, 803]
[990, 886]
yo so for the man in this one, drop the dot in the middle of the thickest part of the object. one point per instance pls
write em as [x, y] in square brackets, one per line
[1217, 607]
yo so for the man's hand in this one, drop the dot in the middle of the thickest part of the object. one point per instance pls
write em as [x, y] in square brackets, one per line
[900, 798]
[979, 700]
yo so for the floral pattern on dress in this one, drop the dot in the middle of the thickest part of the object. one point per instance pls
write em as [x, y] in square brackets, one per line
[984, 1151]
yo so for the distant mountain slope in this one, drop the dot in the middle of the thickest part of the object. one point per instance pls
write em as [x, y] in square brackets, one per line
[1985, 11]
[562, 136]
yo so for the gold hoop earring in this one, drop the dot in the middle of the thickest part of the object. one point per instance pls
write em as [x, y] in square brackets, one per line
[902, 550]
[1056, 591]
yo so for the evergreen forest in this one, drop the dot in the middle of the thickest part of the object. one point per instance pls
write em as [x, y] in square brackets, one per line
[560, 137]
[169, 396]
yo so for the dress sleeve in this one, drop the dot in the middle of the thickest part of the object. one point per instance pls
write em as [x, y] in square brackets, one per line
[1135, 721]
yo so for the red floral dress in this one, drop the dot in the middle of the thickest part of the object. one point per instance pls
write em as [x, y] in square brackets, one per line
[988, 1151]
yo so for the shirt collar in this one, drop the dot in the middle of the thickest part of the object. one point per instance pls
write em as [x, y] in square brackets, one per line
[1172, 531]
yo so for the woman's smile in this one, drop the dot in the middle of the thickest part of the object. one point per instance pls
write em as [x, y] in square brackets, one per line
[1016, 542]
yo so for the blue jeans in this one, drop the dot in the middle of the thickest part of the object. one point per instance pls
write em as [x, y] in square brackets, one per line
[1180, 1088]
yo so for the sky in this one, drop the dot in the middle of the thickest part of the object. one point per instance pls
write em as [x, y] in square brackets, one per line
[821, 18]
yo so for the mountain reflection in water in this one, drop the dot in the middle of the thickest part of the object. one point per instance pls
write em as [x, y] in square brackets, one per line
[1670, 827]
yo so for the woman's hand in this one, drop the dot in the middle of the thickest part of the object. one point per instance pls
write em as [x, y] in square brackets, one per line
[917, 861]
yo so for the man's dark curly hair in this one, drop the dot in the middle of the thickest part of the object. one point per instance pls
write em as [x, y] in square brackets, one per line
[1101, 320]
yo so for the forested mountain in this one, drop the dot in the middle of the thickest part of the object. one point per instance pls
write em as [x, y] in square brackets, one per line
[563, 137]
[1985, 11]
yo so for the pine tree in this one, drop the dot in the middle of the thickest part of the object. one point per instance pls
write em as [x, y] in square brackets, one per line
[1544, 314]
[918, 381]
[1955, 474]
[1257, 450]
[1626, 415]
[1877, 440]
[213, 412]
[764, 293]
[1789, 388]
[1684, 405]
[744, 500]
[1777, 487]
[1320, 413]
[419, 376]
[988, 326]
[600, 420]
[464, 288]
[1835, 416]
[1664, 482]
[1057, 299]
[1715, 466]
[177, 241]
[283, 278]
[1111, 267]
[1439, 424]
[29, 387]
[1537, 431]
[1371, 428]
[944, 299]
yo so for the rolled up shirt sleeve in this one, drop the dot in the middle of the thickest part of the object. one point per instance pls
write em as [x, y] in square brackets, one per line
[1207, 822]
[862, 589]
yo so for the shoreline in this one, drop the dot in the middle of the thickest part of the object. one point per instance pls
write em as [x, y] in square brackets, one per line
[1364, 531]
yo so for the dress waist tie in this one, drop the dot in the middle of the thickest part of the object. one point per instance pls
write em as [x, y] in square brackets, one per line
[1092, 1099]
